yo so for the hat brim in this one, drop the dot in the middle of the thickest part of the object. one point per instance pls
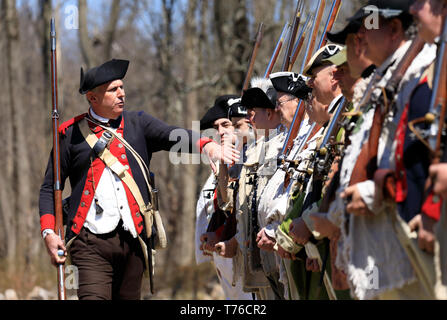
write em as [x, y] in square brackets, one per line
[319, 59]
[341, 36]
[109, 71]
[213, 114]
[369, 9]
[256, 98]
[339, 58]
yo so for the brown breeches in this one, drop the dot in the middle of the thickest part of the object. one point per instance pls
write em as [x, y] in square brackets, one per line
[110, 266]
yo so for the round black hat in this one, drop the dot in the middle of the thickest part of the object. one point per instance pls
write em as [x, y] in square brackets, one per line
[226, 106]
[236, 110]
[257, 98]
[340, 36]
[107, 72]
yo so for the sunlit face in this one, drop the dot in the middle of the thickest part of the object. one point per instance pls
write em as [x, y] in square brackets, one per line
[242, 128]
[355, 54]
[261, 118]
[322, 83]
[381, 42]
[251, 114]
[428, 15]
[345, 80]
[241, 125]
[108, 99]
[223, 126]
[286, 106]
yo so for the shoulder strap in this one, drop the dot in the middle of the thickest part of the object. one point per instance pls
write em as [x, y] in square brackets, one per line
[113, 163]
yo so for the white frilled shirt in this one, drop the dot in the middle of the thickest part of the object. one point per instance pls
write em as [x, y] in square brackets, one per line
[112, 198]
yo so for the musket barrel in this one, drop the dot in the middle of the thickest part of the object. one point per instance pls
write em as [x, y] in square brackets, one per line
[57, 194]
[336, 4]
[333, 123]
[434, 106]
[295, 26]
[253, 58]
[276, 51]
[299, 43]
[295, 126]
[313, 34]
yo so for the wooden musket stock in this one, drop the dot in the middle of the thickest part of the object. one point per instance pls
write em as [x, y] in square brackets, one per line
[366, 164]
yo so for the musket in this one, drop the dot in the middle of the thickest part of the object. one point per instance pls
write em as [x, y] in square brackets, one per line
[223, 178]
[325, 153]
[328, 149]
[333, 14]
[292, 37]
[299, 43]
[299, 113]
[437, 110]
[254, 256]
[253, 57]
[366, 163]
[323, 157]
[57, 187]
[314, 33]
[320, 161]
[155, 205]
[277, 50]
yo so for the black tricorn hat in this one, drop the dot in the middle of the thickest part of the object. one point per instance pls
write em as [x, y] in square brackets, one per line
[257, 98]
[292, 83]
[226, 106]
[236, 109]
[107, 72]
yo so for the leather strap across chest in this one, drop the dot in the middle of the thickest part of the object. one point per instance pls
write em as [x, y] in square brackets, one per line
[121, 171]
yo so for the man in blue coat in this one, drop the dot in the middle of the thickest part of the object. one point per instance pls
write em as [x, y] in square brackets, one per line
[105, 227]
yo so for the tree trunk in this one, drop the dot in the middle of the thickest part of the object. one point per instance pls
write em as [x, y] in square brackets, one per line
[187, 225]
[110, 31]
[84, 40]
[21, 215]
[230, 19]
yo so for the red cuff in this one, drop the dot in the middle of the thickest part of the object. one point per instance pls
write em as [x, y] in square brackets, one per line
[432, 206]
[47, 221]
[202, 142]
